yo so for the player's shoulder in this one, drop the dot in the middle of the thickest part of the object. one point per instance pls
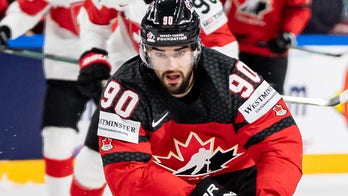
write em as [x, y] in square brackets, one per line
[129, 70]
[216, 61]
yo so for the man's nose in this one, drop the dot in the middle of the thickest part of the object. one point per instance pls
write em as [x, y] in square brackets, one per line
[172, 63]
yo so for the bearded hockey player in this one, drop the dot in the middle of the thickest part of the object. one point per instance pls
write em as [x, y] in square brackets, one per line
[185, 116]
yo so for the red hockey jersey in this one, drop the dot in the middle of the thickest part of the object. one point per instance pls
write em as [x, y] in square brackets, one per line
[155, 144]
[255, 22]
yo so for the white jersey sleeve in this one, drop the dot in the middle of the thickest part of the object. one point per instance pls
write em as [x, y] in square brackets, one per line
[92, 35]
[211, 14]
[20, 21]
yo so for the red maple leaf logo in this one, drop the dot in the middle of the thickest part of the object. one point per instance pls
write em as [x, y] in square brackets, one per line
[196, 157]
[107, 144]
[279, 110]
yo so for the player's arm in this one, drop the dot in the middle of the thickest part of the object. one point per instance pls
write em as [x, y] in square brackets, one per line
[214, 29]
[95, 19]
[268, 132]
[21, 16]
[296, 14]
[126, 150]
[125, 147]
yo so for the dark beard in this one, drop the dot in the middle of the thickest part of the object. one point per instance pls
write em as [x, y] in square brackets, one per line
[182, 88]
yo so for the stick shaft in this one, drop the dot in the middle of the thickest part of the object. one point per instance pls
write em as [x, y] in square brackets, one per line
[336, 100]
[317, 51]
[305, 100]
[264, 44]
[37, 55]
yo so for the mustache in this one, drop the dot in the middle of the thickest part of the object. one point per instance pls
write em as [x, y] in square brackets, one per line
[172, 72]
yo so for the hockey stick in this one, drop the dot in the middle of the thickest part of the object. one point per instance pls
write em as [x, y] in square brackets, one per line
[318, 52]
[264, 44]
[36, 55]
[338, 99]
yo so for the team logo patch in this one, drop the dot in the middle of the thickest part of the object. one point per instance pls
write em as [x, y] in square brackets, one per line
[254, 7]
[150, 37]
[260, 102]
[113, 126]
[253, 11]
[279, 110]
[107, 144]
[195, 158]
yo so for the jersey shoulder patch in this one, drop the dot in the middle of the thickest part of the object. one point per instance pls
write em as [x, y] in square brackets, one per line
[113, 126]
[260, 102]
[211, 14]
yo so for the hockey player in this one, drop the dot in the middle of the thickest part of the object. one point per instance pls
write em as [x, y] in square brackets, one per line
[96, 21]
[63, 104]
[183, 119]
[3, 7]
[265, 30]
[111, 26]
[119, 23]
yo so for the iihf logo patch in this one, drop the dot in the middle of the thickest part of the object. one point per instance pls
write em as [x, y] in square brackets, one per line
[107, 144]
[279, 110]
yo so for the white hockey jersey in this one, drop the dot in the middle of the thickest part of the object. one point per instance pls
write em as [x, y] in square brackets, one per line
[61, 31]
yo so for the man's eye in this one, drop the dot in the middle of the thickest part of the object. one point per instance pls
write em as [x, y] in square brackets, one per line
[160, 54]
[179, 53]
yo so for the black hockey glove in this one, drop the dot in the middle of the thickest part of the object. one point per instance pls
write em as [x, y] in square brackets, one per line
[209, 187]
[282, 43]
[94, 68]
[5, 34]
[148, 1]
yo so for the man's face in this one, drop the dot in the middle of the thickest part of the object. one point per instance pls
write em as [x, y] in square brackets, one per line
[173, 65]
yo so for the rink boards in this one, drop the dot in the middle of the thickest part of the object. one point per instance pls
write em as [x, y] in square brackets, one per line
[324, 129]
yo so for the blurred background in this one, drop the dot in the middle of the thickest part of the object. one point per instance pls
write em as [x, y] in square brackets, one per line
[317, 69]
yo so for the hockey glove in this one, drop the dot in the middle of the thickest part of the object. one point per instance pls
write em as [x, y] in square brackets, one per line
[94, 68]
[5, 34]
[148, 1]
[282, 43]
[209, 187]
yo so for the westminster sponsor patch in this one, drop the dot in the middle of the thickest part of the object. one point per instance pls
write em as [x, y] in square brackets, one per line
[260, 102]
[113, 126]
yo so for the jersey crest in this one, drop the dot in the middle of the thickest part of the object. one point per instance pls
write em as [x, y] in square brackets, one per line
[195, 158]
[252, 11]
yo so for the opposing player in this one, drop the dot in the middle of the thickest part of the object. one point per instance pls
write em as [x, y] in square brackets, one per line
[113, 28]
[266, 30]
[63, 104]
[185, 116]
